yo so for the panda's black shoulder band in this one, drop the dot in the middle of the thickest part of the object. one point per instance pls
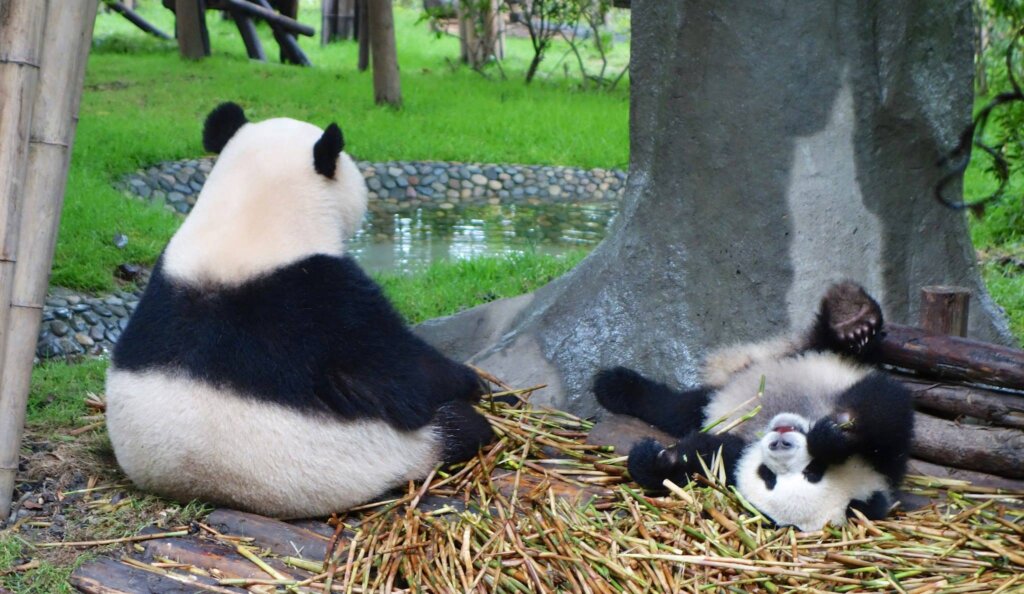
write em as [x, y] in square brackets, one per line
[326, 150]
[221, 125]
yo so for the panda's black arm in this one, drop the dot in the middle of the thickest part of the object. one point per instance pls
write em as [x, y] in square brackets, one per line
[874, 419]
[626, 392]
[650, 463]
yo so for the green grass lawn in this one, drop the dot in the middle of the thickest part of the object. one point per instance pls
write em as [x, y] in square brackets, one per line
[142, 104]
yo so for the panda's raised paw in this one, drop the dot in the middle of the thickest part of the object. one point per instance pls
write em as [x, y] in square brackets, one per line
[852, 316]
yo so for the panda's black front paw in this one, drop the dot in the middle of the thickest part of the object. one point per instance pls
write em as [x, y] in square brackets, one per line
[650, 464]
[851, 316]
[832, 439]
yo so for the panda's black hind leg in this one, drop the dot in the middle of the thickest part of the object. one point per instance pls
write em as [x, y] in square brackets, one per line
[463, 431]
[875, 508]
[847, 320]
[626, 392]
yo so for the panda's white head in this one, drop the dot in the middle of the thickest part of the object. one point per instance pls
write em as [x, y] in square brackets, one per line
[281, 190]
[783, 448]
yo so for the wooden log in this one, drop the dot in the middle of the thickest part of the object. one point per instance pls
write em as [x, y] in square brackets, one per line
[951, 357]
[214, 555]
[277, 536]
[290, 51]
[984, 449]
[944, 310]
[1000, 408]
[246, 28]
[363, 34]
[190, 21]
[107, 576]
[384, 54]
[978, 479]
[274, 19]
[21, 42]
[135, 19]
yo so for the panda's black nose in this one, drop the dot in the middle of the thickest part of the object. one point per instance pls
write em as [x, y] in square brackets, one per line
[780, 443]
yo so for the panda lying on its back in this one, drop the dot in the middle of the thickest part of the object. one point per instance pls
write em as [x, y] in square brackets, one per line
[263, 369]
[839, 432]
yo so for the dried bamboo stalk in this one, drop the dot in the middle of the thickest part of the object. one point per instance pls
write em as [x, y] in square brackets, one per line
[22, 26]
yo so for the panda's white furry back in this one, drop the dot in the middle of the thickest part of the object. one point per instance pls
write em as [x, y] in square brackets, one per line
[262, 368]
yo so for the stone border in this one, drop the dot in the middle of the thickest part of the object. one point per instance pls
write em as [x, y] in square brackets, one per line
[398, 185]
[77, 324]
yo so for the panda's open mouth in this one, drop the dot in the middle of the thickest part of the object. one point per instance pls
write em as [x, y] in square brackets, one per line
[787, 429]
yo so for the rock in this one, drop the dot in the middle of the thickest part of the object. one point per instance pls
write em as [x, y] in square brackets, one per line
[478, 179]
[84, 340]
[120, 241]
[59, 328]
[130, 272]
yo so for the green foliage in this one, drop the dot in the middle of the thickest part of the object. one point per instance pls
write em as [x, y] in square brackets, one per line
[447, 287]
[58, 392]
[142, 104]
[48, 578]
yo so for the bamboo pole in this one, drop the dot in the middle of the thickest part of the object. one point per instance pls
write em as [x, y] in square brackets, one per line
[21, 37]
[68, 34]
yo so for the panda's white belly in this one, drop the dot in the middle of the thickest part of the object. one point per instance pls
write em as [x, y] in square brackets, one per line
[809, 506]
[188, 440]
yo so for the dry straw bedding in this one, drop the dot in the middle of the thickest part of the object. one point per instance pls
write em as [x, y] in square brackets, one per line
[542, 511]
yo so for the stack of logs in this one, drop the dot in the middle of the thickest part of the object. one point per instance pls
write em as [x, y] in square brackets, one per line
[969, 394]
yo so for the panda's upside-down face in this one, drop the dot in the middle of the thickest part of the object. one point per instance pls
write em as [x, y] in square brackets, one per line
[784, 446]
[281, 190]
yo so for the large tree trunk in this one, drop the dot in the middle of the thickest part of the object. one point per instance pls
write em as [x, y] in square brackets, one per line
[193, 38]
[53, 108]
[776, 146]
[386, 88]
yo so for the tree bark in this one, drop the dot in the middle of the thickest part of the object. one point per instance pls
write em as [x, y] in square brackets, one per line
[383, 52]
[54, 114]
[193, 38]
[775, 147]
[363, 34]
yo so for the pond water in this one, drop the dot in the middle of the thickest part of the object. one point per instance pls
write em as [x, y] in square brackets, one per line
[410, 240]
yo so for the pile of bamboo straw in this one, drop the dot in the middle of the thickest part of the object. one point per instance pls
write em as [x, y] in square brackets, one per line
[540, 511]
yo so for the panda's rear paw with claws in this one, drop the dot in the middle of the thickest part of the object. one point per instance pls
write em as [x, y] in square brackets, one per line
[853, 317]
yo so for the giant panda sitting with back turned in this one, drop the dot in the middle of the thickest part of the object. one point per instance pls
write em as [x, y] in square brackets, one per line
[838, 433]
[263, 369]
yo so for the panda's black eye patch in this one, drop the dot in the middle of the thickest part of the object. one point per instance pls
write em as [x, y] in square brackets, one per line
[326, 150]
[221, 125]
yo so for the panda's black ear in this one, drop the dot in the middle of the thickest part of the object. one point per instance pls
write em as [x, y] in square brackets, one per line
[325, 151]
[221, 125]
